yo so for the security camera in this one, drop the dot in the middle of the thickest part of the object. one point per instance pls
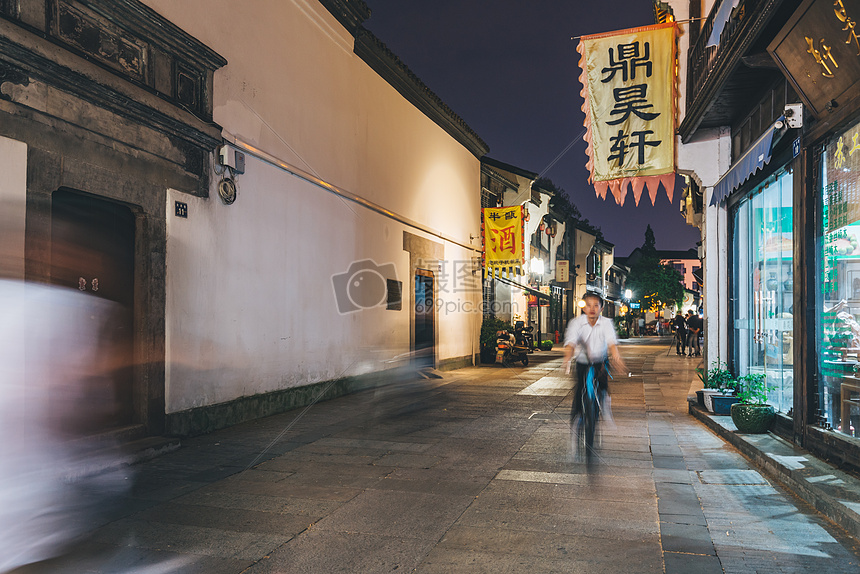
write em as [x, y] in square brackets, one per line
[794, 115]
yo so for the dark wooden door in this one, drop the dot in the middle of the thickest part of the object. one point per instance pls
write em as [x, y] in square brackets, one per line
[92, 251]
[425, 319]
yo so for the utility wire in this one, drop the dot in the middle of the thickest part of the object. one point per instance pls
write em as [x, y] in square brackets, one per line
[564, 151]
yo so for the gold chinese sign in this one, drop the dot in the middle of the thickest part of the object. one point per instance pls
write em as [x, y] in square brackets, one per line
[841, 184]
[629, 89]
[819, 51]
[503, 237]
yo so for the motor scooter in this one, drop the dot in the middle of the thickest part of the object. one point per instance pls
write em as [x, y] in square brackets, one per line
[508, 350]
[525, 336]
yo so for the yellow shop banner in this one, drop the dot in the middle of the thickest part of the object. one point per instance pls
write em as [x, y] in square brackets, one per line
[629, 91]
[503, 238]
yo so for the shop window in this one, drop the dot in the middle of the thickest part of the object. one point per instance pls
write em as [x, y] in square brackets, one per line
[762, 304]
[839, 280]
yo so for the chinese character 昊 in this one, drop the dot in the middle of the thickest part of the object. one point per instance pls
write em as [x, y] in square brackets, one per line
[631, 100]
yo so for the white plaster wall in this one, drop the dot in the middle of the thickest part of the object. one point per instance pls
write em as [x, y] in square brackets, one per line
[709, 156]
[608, 262]
[13, 198]
[458, 310]
[13, 194]
[250, 302]
[294, 88]
[523, 193]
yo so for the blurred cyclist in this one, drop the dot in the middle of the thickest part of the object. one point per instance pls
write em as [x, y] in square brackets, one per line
[591, 339]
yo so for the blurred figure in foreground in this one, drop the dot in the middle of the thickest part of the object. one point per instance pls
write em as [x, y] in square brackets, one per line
[55, 391]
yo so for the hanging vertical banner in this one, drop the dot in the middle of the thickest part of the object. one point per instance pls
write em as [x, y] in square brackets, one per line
[503, 238]
[629, 89]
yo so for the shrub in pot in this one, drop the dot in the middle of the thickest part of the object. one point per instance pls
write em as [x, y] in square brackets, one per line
[546, 345]
[489, 329]
[718, 380]
[752, 414]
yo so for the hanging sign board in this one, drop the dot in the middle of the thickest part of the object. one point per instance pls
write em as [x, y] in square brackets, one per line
[502, 234]
[818, 49]
[562, 271]
[629, 90]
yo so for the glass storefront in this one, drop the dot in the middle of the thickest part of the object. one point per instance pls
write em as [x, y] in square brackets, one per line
[762, 287]
[838, 299]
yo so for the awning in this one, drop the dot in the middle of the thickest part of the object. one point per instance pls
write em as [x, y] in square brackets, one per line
[723, 15]
[697, 275]
[753, 160]
[531, 291]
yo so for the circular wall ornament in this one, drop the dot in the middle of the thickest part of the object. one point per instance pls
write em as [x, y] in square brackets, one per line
[227, 190]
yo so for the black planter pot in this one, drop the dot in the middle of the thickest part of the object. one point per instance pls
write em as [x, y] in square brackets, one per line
[723, 403]
[488, 356]
[754, 419]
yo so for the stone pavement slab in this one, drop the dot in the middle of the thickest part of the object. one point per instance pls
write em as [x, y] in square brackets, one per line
[475, 472]
[753, 525]
[830, 490]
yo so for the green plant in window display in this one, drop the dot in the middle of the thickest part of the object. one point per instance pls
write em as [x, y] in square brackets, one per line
[718, 377]
[754, 389]
[752, 414]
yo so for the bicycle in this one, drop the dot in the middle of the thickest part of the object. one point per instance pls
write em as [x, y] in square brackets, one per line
[590, 412]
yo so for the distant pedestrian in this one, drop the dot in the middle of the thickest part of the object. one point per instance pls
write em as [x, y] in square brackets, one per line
[680, 326]
[694, 328]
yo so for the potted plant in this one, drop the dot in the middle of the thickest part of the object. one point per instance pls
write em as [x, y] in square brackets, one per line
[700, 394]
[752, 414]
[724, 402]
[489, 328]
[719, 382]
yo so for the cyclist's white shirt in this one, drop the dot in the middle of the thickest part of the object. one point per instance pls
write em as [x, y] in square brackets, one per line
[593, 340]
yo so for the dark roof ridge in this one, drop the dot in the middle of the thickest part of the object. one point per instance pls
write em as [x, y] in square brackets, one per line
[508, 167]
[678, 253]
[350, 13]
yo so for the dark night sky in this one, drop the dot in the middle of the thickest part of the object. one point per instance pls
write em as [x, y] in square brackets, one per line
[510, 70]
